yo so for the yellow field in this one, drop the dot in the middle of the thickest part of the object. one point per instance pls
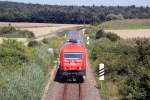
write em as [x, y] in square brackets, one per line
[30, 25]
[131, 33]
[39, 29]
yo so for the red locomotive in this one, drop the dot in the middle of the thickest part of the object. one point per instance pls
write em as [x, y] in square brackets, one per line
[73, 56]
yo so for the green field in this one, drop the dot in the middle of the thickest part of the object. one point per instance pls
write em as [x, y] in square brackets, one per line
[127, 24]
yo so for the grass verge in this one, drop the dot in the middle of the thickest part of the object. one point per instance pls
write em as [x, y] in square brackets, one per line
[25, 76]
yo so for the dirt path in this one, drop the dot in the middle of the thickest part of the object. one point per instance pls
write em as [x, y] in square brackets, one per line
[89, 90]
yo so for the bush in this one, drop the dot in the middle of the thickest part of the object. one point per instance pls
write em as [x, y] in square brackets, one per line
[26, 81]
[45, 41]
[127, 66]
[143, 51]
[7, 30]
[33, 43]
[100, 34]
[11, 32]
[13, 55]
[27, 34]
[112, 36]
[114, 17]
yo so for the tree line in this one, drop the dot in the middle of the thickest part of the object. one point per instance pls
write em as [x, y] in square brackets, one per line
[21, 12]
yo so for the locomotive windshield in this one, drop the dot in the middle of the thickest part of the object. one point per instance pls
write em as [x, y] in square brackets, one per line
[72, 55]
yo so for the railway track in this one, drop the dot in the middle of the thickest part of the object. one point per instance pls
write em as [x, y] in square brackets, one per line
[72, 92]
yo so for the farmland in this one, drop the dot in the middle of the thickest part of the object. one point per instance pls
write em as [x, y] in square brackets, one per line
[134, 33]
[127, 24]
[132, 28]
[39, 29]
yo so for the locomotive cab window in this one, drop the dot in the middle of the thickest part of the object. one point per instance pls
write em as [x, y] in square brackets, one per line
[73, 55]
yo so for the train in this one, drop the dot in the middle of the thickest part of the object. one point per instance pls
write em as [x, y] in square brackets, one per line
[72, 57]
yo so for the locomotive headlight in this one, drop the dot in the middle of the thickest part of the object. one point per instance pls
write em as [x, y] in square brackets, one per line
[65, 68]
[80, 68]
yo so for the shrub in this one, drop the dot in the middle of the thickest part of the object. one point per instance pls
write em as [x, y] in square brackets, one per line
[114, 17]
[7, 30]
[112, 36]
[33, 43]
[100, 34]
[27, 34]
[45, 41]
[13, 55]
[11, 32]
[143, 51]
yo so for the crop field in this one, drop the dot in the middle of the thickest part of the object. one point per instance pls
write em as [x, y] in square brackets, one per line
[129, 28]
[31, 25]
[134, 33]
[127, 24]
[39, 29]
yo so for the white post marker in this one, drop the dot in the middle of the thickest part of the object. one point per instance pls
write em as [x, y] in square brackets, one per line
[65, 35]
[83, 31]
[101, 71]
[50, 51]
[88, 40]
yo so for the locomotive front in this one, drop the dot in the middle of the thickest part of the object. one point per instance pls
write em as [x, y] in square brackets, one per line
[73, 56]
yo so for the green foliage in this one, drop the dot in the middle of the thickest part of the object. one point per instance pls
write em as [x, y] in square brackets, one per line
[45, 41]
[20, 12]
[114, 17]
[127, 67]
[11, 32]
[112, 37]
[100, 34]
[13, 55]
[7, 30]
[143, 49]
[24, 71]
[33, 43]
[26, 33]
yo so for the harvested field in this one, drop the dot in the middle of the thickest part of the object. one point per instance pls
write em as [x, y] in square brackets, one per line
[39, 29]
[132, 33]
[30, 25]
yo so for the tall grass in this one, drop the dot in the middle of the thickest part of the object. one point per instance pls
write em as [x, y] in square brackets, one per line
[28, 81]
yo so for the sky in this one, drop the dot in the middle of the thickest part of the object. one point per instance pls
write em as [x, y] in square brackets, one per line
[88, 2]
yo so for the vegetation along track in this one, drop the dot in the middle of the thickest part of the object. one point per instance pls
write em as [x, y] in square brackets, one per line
[72, 91]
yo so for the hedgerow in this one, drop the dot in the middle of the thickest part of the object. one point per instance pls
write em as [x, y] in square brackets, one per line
[127, 67]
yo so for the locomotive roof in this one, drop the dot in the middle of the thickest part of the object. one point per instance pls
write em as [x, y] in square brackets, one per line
[72, 47]
[74, 35]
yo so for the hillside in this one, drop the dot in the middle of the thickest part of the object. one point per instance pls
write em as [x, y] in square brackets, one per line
[20, 12]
